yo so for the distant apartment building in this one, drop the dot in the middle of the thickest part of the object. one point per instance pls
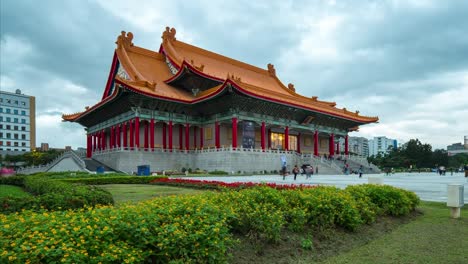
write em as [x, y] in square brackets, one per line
[44, 146]
[381, 145]
[17, 123]
[457, 148]
[359, 146]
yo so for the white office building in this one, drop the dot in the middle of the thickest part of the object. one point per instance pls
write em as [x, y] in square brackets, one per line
[381, 145]
[17, 123]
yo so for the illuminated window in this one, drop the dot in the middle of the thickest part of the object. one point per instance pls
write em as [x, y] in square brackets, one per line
[278, 142]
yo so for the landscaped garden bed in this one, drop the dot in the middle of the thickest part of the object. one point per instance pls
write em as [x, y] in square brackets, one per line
[193, 228]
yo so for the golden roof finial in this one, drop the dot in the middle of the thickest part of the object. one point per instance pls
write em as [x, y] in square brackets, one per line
[291, 87]
[314, 98]
[271, 69]
[124, 40]
[169, 34]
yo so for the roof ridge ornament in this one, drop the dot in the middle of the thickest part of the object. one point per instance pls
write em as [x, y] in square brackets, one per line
[124, 39]
[200, 68]
[169, 34]
[271, 69]
[291, 87]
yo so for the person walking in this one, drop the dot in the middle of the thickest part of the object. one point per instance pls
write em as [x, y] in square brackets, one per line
[308, 172]
[295, 171]
[360, 171]
[316, 169]
[283, 166]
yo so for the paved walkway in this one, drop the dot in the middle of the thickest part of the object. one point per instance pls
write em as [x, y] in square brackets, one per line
[428, 186]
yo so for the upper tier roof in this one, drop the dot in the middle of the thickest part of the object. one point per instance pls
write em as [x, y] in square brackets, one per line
[148, 72]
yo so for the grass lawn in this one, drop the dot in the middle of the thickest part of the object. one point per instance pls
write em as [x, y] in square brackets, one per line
[14, 191]
[139, 192]
[428, 236]
[432, 238]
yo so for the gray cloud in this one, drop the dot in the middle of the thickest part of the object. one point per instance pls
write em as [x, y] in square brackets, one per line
[386, 58]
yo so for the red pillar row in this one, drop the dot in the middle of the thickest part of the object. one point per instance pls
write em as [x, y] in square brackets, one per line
[152, 133]
[170, 136]
[187, 136]
[299, 143]
[181, 144]
[217, 141]
[195, 137]
[118, 139]
[316, 143]
[201, 137]
[124, 134]
[346, 147]
[146, 129]
[286, 138]
[164, 136]
[262, 136]
[234, 132]
[132, 138]
[88, 146]
[332, 145]
[269, 138]
[137, 132]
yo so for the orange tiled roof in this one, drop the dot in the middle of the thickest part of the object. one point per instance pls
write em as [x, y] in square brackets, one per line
[148, 70]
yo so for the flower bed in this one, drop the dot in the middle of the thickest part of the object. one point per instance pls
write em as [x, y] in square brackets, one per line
[203, 184]
[189, 228]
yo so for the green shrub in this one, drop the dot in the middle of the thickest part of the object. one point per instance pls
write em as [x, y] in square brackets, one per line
[218, 172]
[12, 180]
[390, 200]
[55, 195]
[114, 180]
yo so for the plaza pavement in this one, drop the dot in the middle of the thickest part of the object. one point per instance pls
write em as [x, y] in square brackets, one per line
[428, 186]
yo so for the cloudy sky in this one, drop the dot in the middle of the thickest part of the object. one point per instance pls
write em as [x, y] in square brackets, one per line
[404, 61]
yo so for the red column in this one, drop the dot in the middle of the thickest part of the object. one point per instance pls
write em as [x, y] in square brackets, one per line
[152, 133]
[234, 132]
[132, 135]
[119, 142]
[269, 138]
[124, 134]
[137, 132]
[194, 137]
[299, 143]
[98, 142]
[346, 147]
[201, 137]
[262, 136]
[170, 136]
[187, 136]
[286, 138]
[101, 135]
[146, 134]
[332, 145]
[103, 140]
[164, 135]
[316, 143]
[181, 144]
[88, 146]
[111, 139]
[217, 143]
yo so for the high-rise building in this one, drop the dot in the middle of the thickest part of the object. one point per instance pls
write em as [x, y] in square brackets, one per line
[381, 145]
[17, 123]
[359, 146]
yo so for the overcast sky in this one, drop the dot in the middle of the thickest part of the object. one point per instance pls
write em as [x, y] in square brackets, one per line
[404, 61]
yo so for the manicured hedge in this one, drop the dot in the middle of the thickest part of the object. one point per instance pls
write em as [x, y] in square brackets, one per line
[190, 229]
[115, 180]
[54, 194]
[12, 180]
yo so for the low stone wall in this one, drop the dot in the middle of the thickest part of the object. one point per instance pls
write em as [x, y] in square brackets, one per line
[231, 161]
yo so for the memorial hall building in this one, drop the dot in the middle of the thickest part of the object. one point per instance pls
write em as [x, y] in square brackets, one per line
[186, 107]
